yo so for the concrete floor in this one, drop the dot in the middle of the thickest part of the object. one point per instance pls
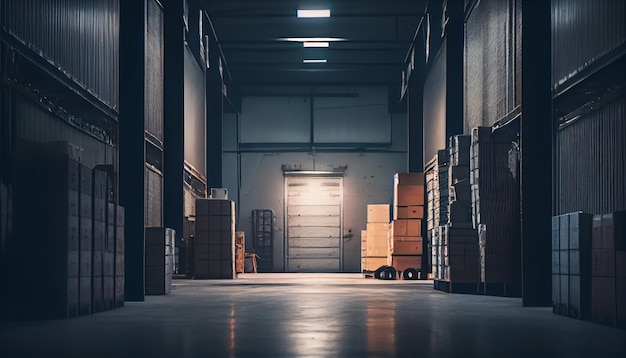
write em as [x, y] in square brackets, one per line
[295, 315]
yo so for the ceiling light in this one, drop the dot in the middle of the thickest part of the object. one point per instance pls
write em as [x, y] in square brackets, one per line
[314, 13]
[314, 61]
[315, 44]
[311, 39]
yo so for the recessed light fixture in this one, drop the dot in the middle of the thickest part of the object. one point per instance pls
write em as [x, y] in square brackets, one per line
[311, 39]
[314, 61]
[314, 13]
[315, 44]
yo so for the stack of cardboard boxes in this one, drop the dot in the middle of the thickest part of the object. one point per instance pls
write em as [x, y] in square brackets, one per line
[495, 205]
[437, 189]
[406, 241]
[159, 255]
[64, 233]
[608, 269]
[214, 244]
[571, 265]
[375, 243]
[458, 243]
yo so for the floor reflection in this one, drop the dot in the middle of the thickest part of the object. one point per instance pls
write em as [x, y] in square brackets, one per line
[381, 322]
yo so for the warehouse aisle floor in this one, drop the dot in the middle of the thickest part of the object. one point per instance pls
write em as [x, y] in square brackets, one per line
[291, 315]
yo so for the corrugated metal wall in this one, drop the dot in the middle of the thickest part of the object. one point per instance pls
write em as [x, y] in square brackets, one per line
[36, 124]
[154, 71]
[492, 62]
[591, 158]
[435, 106]
[583, 31]
[80, 37]
[153, 198]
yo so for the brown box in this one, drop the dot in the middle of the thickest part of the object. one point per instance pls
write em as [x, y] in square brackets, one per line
[406, 195]
[399, 227]
[373, 263]
[603, 262]
[408, 179]
[377, 228]
[603, 300]
[407, 246]
[403, 262]
[378, 213]
[415, 212]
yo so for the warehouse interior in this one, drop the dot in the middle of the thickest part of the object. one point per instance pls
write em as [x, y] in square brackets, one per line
[216, 177]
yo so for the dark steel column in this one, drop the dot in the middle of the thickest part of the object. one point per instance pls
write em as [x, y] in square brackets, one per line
[454, 68]
[173, 108]
[536, 148]
[215, 110]
[131, 150]
[415, 119]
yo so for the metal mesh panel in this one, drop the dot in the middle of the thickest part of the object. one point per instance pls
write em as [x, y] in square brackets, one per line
[591, 177]
[154, 71]
[81, 37]
[583, 31]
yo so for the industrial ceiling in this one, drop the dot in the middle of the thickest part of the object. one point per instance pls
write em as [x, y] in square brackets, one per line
[368, 40]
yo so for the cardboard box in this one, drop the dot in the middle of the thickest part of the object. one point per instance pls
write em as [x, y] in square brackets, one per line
[415, 212]
[596, 233]
[378, 213]
[579, 297]
[603, 300]
[564, 232]
[373, 263]
[408, 179]
[614, 230]
[405, 195]
[377, 228]
[603, 263]
[407, 246]
[402, 262]
[620, 297]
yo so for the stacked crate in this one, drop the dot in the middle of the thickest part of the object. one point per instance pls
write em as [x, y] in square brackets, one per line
[406, 244]
[460, 205]
[159, 259]
[46, 251]
[376, 245]
[437, 189]
[85, 241]
[608, 265]
[495, 206]
[459, 252]
[99, 209]
[214, 243]
[240, 246]
[108, 258]
[571, 265]
[119, 257]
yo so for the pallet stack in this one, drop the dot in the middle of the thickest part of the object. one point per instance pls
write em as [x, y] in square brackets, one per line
[571, 265]
[495, 208]
[159, 259]
[608, 269]
[214, 244]
[458, 255]
[60, 215]
[437, 189]
[375, 245]
[406, 241]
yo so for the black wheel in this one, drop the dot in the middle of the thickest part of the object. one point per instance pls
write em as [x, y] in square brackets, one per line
[410, 274]
[379, 272]
[389, 273]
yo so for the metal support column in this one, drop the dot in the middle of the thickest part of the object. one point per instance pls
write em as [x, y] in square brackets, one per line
[131, 145]
[215, 110]
[454, 68]
[173, 151]
[536, 148]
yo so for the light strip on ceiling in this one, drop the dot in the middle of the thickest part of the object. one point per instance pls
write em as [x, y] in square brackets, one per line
[315, 44]
[311, 39]
[314, 13]
[314, 61]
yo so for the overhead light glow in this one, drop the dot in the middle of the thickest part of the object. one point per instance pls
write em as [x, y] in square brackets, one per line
[314, 61]
[311, 39]
[314, 13]
[315, 44]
